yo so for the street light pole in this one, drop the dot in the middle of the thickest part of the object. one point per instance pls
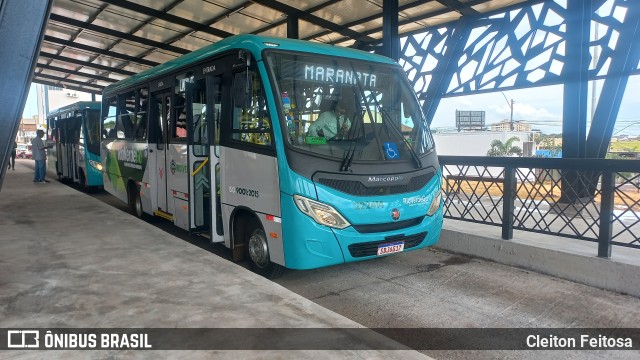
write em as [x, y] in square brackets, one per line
[511, 119]
[510, 103]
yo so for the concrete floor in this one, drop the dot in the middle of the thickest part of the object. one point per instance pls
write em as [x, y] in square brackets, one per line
[434, 289]
[68, 260]
[427, 288]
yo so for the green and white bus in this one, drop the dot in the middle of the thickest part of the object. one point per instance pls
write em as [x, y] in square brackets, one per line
[295, 154]
[75, 132]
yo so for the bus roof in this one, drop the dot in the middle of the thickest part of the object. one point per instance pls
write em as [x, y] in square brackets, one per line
[253, 43]
[76, 106]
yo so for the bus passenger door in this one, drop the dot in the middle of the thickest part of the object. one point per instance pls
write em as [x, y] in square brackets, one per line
[67, 145]
[161, 111]
[203, 210]
[78, 145]
[198, 160]
[214, 106]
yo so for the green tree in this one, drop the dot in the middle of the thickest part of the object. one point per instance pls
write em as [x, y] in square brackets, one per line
[498, 148]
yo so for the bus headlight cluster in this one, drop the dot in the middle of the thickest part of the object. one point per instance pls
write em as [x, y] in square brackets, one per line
[435, 203]
[322, 213]
[96, 165]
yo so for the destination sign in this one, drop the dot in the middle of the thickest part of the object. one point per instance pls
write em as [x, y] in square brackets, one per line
[340, 76]
[333, 74]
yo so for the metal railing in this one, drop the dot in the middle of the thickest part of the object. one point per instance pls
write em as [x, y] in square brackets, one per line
[588, 199]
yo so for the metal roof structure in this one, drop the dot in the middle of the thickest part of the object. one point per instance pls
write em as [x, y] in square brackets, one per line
[89, 44]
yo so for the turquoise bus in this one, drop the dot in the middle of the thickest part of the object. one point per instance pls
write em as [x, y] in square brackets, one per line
[75, 132]
[293, 154]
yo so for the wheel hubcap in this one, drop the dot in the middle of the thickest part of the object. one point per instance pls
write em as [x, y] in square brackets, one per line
[258, 249]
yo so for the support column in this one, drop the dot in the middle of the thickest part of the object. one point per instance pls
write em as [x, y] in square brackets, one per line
[624, 60]
[576, 86]
[292, 27]
[22, 26]
[390, 39]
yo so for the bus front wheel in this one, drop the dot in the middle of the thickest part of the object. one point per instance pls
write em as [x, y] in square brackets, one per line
[258, 249]
[84, 182]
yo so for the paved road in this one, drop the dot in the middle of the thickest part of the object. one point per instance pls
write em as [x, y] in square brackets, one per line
[433, 289]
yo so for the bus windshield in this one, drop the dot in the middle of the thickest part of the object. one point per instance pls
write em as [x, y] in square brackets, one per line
[338, 107]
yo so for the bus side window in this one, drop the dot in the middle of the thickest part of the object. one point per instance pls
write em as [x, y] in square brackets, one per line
[63, 131]
[251, 122]
[51, 129]
[142, 105]
[79, 129]
[109, 118]
[179, 125]
[126, 116]
[199, 121]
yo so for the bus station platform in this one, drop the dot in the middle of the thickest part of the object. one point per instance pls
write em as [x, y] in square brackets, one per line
[68, 260]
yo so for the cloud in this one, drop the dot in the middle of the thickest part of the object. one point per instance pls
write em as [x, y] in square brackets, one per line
[541, 106]
[525, 111]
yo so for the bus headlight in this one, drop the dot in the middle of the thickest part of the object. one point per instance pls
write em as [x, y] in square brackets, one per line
[322, 213]
[96, 165]
[435, 203]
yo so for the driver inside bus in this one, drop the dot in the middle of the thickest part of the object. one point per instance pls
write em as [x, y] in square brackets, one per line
[331, 124]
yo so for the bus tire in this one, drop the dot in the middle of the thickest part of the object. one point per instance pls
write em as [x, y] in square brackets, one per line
[258, 252]
[135, 201]
[84, 182]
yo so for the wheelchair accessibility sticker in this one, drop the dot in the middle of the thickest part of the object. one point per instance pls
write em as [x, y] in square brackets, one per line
[391, 151]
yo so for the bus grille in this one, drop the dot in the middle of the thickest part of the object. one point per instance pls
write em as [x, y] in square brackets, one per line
[390, 226]
[354, 187]
[371, 248]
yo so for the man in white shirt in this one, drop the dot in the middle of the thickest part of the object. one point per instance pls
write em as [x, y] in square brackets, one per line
[333, 124]
[38, 149]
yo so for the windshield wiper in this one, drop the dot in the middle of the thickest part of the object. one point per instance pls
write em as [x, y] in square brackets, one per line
[367, 107]
[389, 124]
[354, 135]
[348, 157]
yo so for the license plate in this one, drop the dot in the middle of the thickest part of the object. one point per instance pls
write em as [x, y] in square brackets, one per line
[390, 248]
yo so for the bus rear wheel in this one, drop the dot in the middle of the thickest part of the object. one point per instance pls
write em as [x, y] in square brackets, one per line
[258, 249]
[136, 201]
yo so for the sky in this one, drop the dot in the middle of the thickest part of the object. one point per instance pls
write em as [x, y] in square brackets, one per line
[31, 106]
[541, 106]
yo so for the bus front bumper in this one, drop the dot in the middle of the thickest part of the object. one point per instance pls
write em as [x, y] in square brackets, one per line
[309, 245]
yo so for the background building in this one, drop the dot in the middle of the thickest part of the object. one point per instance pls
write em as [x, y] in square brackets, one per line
[477, 143]
[51, 98]
[27, 130]
[505, 125]
[47, 98]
